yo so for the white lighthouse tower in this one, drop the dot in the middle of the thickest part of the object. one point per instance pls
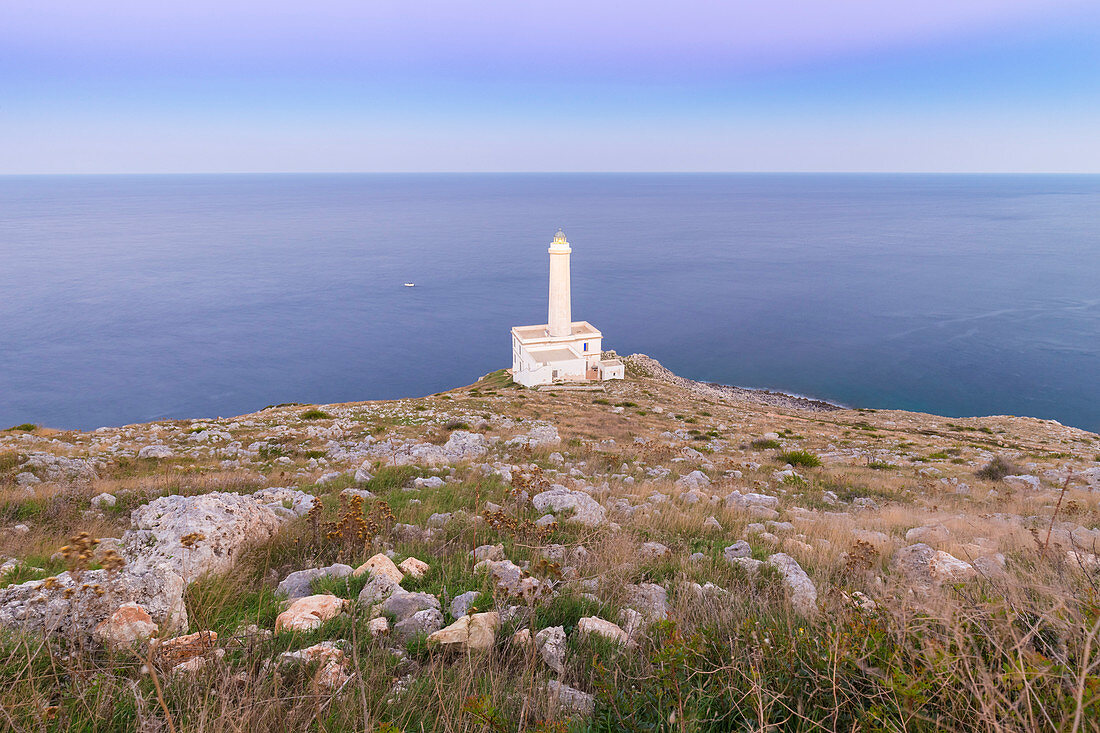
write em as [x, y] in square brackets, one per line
[560, 350]
[561, 316]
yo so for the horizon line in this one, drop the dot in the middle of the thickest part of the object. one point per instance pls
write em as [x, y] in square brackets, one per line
[550, 172]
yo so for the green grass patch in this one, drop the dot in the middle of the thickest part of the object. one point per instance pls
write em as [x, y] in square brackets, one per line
[568, 610]
[798, 458]
[315, 415]
[765, 444]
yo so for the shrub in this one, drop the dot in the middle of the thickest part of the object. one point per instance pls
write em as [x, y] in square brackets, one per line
[456, 425]
[26, 427]
[315, 414]
[799, 458]
[997, 469]
[765, 444]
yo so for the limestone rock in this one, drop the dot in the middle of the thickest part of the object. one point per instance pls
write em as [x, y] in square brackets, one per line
[488, 552]
[737, 549]
[194, 535]
[1023, 482]
[413, 567]
[403, 605]
[285, 501]
[593, 625]
[461, 603]
[551, 645]
[126, 626]
[377, 589]
[803, 591]
[155, 451]
[649, 599]
[631, 621]
[460, 446]
[380, 566]
[510, 579]
[475, 632]
[557, 498]
[307, 614]
[694, 480]
[949, 569]
[181, 649]
[104, 501]
[331, 663]
[541, 435]
[933, 534]
[652, 550]
[569, 700]
[737, 500]
[913, 560]
[920, 562]
[66, 602]
[297, 584]
[427, 621]
[378, 626]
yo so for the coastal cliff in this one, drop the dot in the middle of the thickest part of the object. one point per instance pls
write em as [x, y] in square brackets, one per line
[660, 553]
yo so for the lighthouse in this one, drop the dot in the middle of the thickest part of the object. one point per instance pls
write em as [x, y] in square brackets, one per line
[561, 350]
[561, 317]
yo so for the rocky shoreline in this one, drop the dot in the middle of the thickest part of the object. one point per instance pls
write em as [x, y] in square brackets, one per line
[650, 367]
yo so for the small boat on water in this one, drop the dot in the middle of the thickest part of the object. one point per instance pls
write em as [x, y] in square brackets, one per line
[409, 285]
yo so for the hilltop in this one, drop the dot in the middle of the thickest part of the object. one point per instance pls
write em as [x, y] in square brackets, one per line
[654, 553]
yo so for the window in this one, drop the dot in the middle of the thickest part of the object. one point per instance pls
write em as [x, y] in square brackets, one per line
[586, 346]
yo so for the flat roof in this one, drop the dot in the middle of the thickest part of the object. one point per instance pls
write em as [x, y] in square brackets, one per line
[540, 331]
[545, 356]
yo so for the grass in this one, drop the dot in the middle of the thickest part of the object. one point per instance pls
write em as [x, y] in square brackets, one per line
[765, 444]
[315, 415]
[9, 461]
[997, 469]
[798, 458]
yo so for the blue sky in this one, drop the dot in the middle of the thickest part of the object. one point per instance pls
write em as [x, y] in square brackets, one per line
[381, 85]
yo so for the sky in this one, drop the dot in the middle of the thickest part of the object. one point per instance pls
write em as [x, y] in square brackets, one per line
[133, 86]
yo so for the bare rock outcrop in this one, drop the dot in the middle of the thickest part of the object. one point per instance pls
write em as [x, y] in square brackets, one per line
[557, 498]
[803, 591]
[194, 535]
[172, 541]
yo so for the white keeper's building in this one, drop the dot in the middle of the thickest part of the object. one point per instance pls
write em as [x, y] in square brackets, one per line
[562, 350]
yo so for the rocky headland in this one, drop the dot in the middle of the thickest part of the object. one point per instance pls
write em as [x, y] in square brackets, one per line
[660, 554]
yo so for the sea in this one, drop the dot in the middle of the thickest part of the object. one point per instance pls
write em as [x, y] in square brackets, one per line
[133, 298]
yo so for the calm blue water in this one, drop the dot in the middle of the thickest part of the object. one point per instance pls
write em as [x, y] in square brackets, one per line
[125, 299]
